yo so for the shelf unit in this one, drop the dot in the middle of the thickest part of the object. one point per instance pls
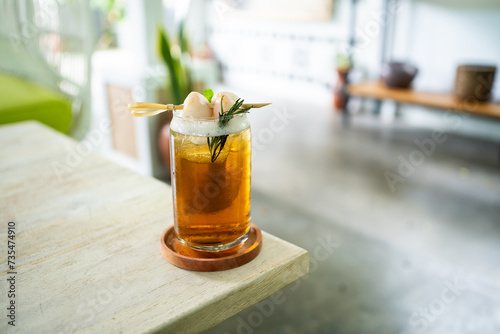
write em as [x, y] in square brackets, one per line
[377, 90]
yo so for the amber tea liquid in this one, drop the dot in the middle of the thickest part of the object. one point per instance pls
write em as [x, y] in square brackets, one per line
[211, 199]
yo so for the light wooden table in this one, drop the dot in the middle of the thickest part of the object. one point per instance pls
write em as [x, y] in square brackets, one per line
[87, 247]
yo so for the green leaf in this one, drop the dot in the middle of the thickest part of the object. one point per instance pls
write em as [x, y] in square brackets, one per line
[216, 144]
[172, 64]
[183, 41]
[208, 93]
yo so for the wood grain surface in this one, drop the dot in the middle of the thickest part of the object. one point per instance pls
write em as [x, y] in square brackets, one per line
[87, 246]
[378, 90]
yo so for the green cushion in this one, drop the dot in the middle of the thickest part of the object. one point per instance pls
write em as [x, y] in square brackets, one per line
[21, 100]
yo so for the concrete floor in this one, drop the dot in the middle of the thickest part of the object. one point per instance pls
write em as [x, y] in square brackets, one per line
[423, 258]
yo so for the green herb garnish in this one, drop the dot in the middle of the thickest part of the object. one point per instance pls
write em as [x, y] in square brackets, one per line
[208, 93]
[216, 144]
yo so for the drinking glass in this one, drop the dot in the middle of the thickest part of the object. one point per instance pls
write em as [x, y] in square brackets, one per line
[210, 169]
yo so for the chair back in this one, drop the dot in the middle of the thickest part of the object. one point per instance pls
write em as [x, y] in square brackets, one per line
[50, 42]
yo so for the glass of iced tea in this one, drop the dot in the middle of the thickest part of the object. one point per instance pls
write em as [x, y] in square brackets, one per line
[210, 166]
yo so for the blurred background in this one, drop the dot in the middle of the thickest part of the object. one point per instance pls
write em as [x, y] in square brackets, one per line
[380, 154]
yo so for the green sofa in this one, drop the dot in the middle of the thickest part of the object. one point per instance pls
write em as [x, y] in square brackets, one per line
[22, 100]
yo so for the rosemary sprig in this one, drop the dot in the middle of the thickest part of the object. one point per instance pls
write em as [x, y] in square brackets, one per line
[216, 144]
[224, 118]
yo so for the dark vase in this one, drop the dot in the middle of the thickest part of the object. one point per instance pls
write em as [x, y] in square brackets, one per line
[398, 74]
[340, 95]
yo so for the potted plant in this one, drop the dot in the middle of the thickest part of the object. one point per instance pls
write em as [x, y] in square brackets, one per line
[175, 58]
[344, 66]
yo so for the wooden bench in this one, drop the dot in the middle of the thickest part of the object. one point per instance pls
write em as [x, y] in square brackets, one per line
[377, 90]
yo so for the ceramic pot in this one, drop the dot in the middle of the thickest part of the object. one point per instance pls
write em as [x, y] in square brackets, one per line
[398, 74]
[474, 82]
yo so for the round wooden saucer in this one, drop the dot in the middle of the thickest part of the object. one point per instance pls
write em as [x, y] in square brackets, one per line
[185, 257]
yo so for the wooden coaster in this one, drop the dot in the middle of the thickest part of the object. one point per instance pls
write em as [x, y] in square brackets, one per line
[185, 257]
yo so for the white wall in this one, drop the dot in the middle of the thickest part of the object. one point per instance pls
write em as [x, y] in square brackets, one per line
[280, 58]
[439, 35]
[435, 35]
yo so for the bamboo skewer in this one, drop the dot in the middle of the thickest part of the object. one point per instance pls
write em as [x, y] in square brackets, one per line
[141, 109]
